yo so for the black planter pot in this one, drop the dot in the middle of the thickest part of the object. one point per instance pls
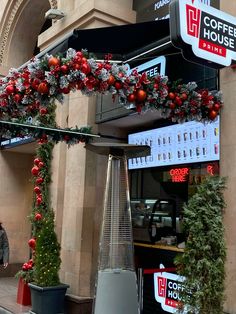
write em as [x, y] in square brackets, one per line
[48, 300]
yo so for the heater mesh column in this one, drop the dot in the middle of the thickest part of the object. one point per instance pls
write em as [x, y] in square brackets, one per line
[116, 246]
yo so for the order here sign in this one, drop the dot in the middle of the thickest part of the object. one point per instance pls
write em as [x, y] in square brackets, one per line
[204, 34]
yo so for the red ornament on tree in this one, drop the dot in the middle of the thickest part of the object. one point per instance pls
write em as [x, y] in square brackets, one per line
[141, 95]
[171, 95]
[39, 200]
[85, 68]
[25, 266]
[43, 111]
[17, 98]
[10, 89]
[172, 106]
[39, 180]
[111, 80]
[131, 98]
[41, 164]
[35, 171]
[32, 243]
[64, 68]
[43, 88]
[213, 114]
[118, 85]
[53, 62]
[184, 96]
[37, 190]
[37, 161]
[38, 216]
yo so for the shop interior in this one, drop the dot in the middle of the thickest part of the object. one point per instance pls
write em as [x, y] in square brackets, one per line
[157, 199]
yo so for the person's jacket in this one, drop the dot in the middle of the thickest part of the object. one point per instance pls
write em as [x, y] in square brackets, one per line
[4, 247]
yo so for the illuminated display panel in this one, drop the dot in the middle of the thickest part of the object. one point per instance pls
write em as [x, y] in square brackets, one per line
[185, 143]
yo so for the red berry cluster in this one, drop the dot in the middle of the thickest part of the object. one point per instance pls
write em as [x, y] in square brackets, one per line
[28, 266]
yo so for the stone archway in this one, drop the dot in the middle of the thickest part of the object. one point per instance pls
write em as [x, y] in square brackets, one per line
[22, 23]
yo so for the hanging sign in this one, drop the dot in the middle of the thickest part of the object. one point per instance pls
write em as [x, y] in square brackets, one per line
[168, 287]
[179, 174]
[153, 67]
[204, 34]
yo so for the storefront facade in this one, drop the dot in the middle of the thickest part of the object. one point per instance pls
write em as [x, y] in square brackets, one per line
[78, 175]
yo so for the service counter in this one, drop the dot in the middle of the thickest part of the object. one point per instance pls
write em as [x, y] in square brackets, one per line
[152, 257]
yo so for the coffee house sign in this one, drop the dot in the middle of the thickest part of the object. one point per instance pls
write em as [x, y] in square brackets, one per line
[204, 34]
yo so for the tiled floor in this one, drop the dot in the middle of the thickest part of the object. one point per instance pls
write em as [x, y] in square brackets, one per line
[8, 293]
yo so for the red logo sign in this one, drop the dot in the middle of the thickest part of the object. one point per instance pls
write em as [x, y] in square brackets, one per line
[204, 34]
[193, 20]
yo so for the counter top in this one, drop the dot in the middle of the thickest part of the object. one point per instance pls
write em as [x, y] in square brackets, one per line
[159, 246]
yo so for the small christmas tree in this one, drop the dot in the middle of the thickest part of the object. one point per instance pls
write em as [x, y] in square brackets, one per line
[202, 263]
[43, 268]
[47, 257]
[46, 250]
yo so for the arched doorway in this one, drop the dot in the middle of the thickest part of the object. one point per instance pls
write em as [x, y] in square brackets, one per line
[23, 23]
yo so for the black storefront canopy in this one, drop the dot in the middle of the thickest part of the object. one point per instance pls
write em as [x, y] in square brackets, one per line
[124, 42]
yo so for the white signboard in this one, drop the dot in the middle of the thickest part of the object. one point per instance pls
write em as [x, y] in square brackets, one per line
[210, 33]
[185, 143]
[152, 68]
[167, 289]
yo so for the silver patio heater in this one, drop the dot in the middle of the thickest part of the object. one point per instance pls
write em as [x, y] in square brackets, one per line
[116, 290]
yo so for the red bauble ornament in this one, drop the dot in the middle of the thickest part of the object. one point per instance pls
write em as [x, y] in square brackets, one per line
[32, 243]
[39, 180]
[141, 95]
[43, 111]
[37, 161]
[25, 266]
[216, 106]
[30, 266]
[155, 86]
[39, 200]
[64, 68]
[10, 89]
[131, 98]
[184, 96]
[79, 54]
[35, 171]
[178, 101]
[17, 98]
[85, 68]
[111, 80]
[65, 90]
[43, 88]
[53, 62]
[171, 95]
[35, 84]
[213, 114]
[41, 164]
[172, 106]
[118, 85]
[38, 216]
[37, 190]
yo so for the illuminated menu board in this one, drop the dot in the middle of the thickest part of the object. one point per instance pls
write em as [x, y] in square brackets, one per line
[185, 143]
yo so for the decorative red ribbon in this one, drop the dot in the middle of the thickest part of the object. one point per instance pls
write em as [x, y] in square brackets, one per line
[158, 270]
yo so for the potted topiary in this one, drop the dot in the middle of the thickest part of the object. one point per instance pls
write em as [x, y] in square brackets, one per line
[47, 293]
[202, 263]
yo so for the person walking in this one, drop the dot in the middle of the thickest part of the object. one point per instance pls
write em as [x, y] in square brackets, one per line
[4, 247]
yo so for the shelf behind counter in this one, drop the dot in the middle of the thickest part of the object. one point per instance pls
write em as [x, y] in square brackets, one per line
[159, 246]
